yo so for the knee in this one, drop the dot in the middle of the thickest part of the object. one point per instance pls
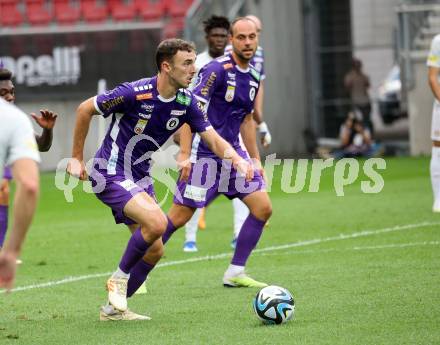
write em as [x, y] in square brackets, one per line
[154, 254]
[156, 226]
[264, 211]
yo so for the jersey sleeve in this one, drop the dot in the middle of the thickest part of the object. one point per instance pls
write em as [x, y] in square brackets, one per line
[434, 53]
[22, 142]
[197, 117]
[118, 100]
[207, 81]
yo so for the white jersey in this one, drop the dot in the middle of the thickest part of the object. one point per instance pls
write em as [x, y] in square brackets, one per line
[17, 139]
[434, 61]
[202, 59]
[434, 53]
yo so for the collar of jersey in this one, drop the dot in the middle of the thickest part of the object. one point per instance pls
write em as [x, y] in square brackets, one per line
[237, 66]
[159, 97]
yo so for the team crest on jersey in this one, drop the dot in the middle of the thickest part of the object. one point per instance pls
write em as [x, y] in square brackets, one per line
[172, 123]
[230, 92]
[140, 126]
[252, 93]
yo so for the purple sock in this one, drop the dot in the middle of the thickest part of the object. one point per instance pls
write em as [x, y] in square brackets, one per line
[138, 275]
[248, 238]
[3, 223]
[169, 231]
[135, 250]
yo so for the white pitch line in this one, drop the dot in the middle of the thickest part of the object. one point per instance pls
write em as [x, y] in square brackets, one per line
[226, 255]
[333, 250]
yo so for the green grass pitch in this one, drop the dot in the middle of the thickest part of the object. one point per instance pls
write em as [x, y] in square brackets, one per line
[363, 268]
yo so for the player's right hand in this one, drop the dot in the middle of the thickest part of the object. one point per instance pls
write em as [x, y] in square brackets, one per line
[8, 266]
[245, 169]
[77, 169]
[184, 165]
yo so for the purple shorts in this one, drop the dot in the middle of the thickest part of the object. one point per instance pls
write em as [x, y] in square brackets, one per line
[7, 173]
[117, 191]
[211, 177]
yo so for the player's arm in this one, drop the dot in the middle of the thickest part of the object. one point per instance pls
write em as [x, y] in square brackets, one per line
[222, 149]
[263, 129]
[86, 110]
[183, 162]
[25, 172]
[433, 74]
[46, 121]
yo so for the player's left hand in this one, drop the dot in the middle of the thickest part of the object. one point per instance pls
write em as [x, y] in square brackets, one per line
[265, 136]
[8, 266]
[46, 120]
[184, 165]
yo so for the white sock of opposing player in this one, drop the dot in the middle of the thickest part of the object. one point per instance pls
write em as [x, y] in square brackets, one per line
[435, 175]
[191, 226]
[241, 212]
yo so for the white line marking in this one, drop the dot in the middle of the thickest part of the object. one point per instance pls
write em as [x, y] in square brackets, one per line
[226, 255]
[332, 250]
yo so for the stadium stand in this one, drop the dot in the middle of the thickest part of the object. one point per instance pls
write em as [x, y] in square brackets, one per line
[122, 11]
[177, 8]
[66, 12]
[9, 13]
[150, 9]
[94, 12]
[38, 13]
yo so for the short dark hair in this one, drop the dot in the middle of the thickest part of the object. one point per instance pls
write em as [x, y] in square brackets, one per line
[5, 74]
[214, 22]
[231, 29]
[168, 48]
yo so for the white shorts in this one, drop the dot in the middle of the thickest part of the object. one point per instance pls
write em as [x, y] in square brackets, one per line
[435, 124]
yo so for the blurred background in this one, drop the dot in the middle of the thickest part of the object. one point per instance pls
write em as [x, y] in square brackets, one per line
[64, 51]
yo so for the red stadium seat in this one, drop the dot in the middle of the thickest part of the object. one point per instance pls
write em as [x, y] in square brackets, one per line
[37, 12]
[122, 11]
[150, 9]
[65, 13]
[9, 13]
[94, 12]
[174, 28]
[178, 8]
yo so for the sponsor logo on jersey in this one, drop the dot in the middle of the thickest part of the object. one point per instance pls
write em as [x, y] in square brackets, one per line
[143, 88]
[112, 102]
[172, 123]
[231, 75]
[183, 99]
[143, 96]
[230, 92]
[252, 93]
[178, 112]
[145, 116]
[140, 126]
[253, 83]
[62, 67]
[148, 107]
[228, 66]
[255, 74]
[209, 83]
[231, 82]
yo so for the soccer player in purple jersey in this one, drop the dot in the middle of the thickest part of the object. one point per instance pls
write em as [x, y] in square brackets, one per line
[145, 113]
[44, 142]
[226, 87]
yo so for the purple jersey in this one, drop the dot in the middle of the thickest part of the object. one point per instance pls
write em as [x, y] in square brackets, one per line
[257, 61]
[142, 121]
[227, 94]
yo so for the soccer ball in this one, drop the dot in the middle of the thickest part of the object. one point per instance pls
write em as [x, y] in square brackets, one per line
[274, 305]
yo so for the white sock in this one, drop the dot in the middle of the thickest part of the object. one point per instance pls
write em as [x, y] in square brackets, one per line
[120, 274]
[234, 270]
[191, 226]
[241, 212]
[435, 173]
